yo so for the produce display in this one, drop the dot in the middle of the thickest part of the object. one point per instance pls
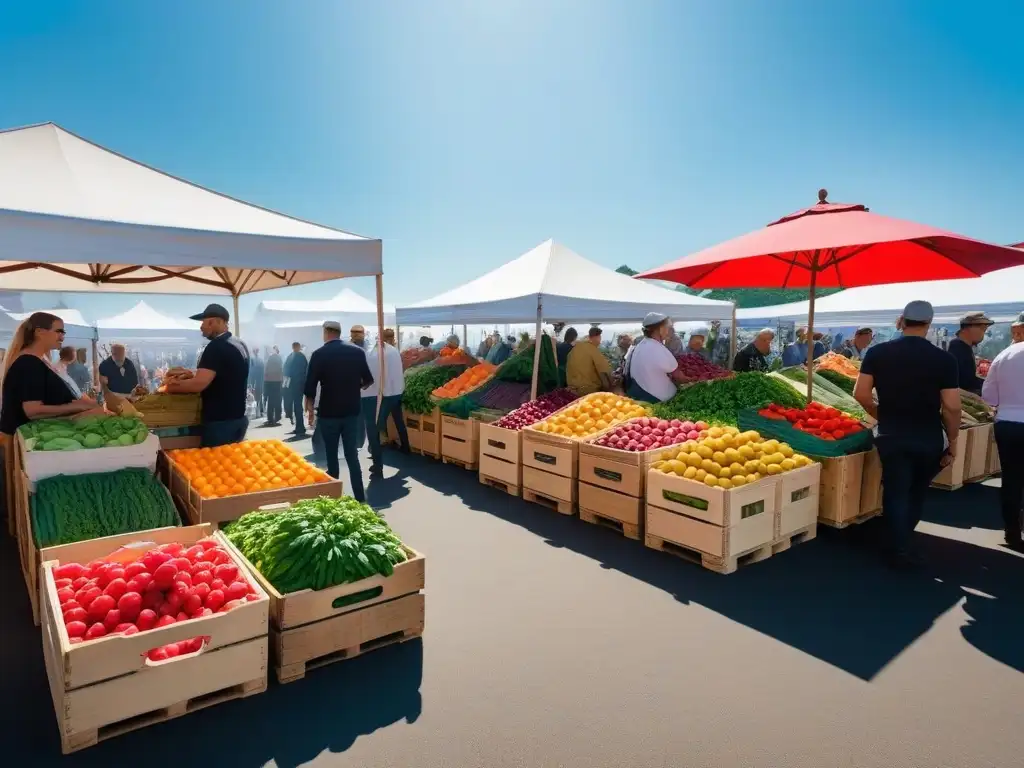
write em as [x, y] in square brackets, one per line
[159, 410]
[138, 590]
[648, 434]
[519, 367]
[825, 391]
[974, 410]
[471, 378]
[84, 432]
[718, 402]
[417, 356]
[536, 410]
[69, 508]
[833, 361]
[591, 414]
[696, 368]
[317, 543]
[503, 395]
[841, 380]
[728, 458]
[449, 356]
[421, 382]
[255, 465]
[816, 419]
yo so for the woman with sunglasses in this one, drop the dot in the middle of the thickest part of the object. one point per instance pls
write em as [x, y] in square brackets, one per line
[32, 388]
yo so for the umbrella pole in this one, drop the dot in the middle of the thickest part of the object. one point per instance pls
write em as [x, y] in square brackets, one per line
[810, 333]
[536, 351]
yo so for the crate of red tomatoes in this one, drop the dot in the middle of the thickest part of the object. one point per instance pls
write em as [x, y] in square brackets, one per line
[817, 430]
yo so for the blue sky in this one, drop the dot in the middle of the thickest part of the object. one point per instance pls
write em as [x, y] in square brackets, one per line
[465, 132]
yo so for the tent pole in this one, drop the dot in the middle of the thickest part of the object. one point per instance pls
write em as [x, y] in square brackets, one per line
[536, 350]
[398, 335]
[238, 325]
[810, 328]
[95, 364]
[380, 345]
[465, 337]
[732, 336]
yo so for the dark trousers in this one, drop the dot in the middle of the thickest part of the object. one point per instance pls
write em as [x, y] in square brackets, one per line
[1010, 443]
[392, 406]
[909, 464]
[257, 389]
[273, 391]
[371, 425]
[296, 390]
[345, 431]
[214, 433]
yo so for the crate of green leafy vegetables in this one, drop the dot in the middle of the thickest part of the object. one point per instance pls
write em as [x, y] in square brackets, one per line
[340, 581]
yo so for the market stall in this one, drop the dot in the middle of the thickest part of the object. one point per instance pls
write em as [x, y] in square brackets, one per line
[347, 307]
[142, 323]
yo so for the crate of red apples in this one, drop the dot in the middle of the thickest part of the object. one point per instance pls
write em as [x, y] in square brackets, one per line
[696, 368]
[648, 434]
[146, 626]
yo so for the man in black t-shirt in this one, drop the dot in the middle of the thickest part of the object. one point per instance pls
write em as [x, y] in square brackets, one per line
[972, 332]
[118, 373]
[754, 356]
[221, 378]
[918, 416]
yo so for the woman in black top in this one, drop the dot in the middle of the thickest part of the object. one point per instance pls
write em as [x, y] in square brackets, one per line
[32, 389]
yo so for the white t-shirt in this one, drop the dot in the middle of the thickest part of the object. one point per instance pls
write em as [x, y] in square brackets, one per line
[394, 379]
[650, 363]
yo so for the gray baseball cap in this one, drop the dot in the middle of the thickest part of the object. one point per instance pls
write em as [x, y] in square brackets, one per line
[654, 318]
[918, 312]
[702, 332]
[1019, 320]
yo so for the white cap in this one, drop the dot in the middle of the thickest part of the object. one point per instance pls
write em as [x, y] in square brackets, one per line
[654, 318]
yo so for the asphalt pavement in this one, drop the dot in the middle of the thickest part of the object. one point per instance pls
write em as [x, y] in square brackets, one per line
[550, 642]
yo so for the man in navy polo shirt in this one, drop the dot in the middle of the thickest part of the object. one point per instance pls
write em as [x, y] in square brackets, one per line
[221, 379]
[341, 372]
[117, 372]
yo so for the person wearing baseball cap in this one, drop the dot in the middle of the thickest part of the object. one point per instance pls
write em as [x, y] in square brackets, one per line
[856, 349]
[1004, 390]
[695, 344]
[650, 370]
[918, 413]
[221, 379]
[972, 332]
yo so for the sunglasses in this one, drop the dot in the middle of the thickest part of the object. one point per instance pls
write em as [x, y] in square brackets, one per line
[61, 331]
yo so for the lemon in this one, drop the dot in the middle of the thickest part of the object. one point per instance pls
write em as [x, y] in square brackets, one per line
[707, 465]
[738, 481]
[724, 482]
[728, 440]
[787, 464]
[694, 459]
[690, 473]
[719, 457]
[771, 446]
[774, 469]
[711, 480]
[786, 450]
[704, 452]
[775, 458]
[715, 468]
[699, 477]
[724, 472]
[753, 477]
[658, 465]
[731, 455]
[751, 466]
[762, 468]
[677, 466]
[745, 451]
[736, 468]
[716, 432]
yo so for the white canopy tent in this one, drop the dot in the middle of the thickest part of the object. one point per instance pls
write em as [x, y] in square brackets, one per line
[76, 216]
[551, 283]
[348, 308]
[144, 322]
[76, 326]
[1000, 294]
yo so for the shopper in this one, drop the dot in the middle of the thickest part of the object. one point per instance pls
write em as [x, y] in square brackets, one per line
[256, 379]
[118, 372]
[973, 326]
[695, 344]
[565, 346]
[273, 383]
[221, 379]
[501, 350]
[754, 356]
[918, 414]
[856, 349]
[650, 370]
[391, 403]
[795, 353]
[357, 336]
[341, 372]
[32, 389]
[586, 369]
[79, 371]
[295, 373]
[673, 343]
[1004, 389]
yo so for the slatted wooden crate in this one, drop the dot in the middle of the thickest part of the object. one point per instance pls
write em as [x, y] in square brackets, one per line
[430, 434]
[951, 478]
[976, 449]
[500, 457]
[612, 484]
[460, 441]
[797, 495]
[992, 466]
[105, 687]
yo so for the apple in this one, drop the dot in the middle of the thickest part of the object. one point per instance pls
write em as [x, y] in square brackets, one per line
[693, 435]
[700, 425]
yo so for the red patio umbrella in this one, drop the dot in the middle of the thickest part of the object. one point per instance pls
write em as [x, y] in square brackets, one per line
[836, 245]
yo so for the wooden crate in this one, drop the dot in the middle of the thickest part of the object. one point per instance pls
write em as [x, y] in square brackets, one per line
[466, 430]
[951, 478]
[460, 442]
[871, 484]
[717, 548]
[556, 492]
[553, 455]
[413, 428]
[839, 500]
[797, 494]
[228, 508]
[614, 510]
[430, 434]
[176, 442]
[620, 471]
[105, 687]
[500, 443]
[500, 474]
[992, 466]
[312, 628]
[718, 506]
[976, 452]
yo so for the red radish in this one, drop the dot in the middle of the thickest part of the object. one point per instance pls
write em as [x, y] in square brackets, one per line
[208, 543]
[139, 582]
[75, 628]
[229, 605]
[193, 604]
[228, 572]
[154, 559]
[173, 549]
[237, 590]
[193, 553]
[99, 607]
[66, 594]
[152, 600]
[79, 582]
[182, 616]
[217, 584]
[182, 563]
[158, 654]
[62, 583]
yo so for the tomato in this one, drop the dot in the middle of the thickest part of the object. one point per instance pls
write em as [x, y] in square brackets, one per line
[112, 619]
[193, 553]
[173, 549]
[61, 583]
[79, 582]
[69, 571]
[66, 594]
[140, 582]
[85, 596]
[157, 654]
[116, 588]
[182, 563]
[237, 590]
[202, 590]
[163, 576]
[217, 584]
[838, 434]
[76, 628]
[252, 597]
[229, 605]
[154, 560]
[164, 621]
[131, 630]
[184, 577]
[93, 569]
[152, 600]
[204, 612]
[193, 604]
[134, 569]
[147, 619]
[130, 605]
[210, 555]
[182, 616]
[215, 599]
[75, 614]
[99, 607]
[227, 572]
[69, 605]
[96, 630]
[208, 543]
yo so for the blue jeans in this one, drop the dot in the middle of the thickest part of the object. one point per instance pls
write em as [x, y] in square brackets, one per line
[909, 464]
[344, 430]
[216, 433]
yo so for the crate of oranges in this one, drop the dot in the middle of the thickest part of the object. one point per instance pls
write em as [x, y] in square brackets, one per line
[217, 485]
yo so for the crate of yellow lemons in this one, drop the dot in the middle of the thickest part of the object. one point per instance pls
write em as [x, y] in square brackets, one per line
[590, 415]
[729, 458]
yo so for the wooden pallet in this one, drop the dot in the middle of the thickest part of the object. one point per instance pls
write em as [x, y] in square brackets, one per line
[86, 739]
[292, 672]
[807, 533]
[558, 505]
[501, 485]
[467, 465]
[716, 564]
[861, 518]
[629, 530]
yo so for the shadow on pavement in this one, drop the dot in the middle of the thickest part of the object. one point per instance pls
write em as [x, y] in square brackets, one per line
[973, 506]
[830, 598]
[290, 724]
